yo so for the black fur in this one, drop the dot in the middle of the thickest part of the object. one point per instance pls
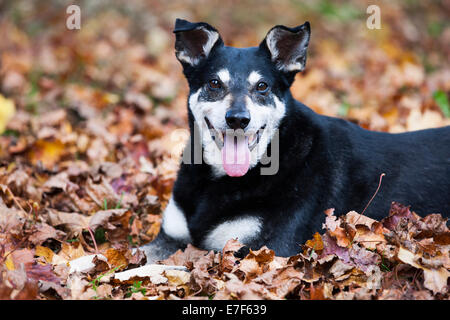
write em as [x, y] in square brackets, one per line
[328, 163]
[325, 163]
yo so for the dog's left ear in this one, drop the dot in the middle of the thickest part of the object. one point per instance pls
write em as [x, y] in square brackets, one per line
[194, 41]
[287, 46]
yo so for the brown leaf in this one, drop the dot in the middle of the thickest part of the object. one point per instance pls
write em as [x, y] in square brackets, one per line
[333, 226]
[185, 258]
[46, 287]
[316, 293]
[282, 281]
[367, 238]
[43, 232]
[116, 258]
[396, 214]
[236, 289]
[202, 273]
[436, 280]
[23, 256]
[74, 222]
[103, 217]
[228, 259]
[137, 259]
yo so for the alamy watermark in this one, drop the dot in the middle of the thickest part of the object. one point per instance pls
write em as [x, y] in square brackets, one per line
[73, 21]
[374, 20]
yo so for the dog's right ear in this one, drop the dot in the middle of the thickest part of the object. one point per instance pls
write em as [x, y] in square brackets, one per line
[194, 41]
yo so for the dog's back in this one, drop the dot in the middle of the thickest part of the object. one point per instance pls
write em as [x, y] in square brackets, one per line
[416, 166]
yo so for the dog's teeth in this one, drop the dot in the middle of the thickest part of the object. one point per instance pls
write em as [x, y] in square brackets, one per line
[251, 138]
[252, 141]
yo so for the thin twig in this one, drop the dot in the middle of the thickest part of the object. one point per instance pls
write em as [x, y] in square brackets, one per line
[13, 197]
[379, 185]
[378, 188]
[93, 239]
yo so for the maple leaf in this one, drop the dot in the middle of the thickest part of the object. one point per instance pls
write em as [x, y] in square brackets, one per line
[316, 243]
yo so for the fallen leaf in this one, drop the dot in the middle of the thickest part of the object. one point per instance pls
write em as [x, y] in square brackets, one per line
[7, 111]
[103, 217]
[116, 258]
[43, 232]
[47, 152]
[316, 243]
[177, 277]
[70, 251]
[44, 252]
[85, 263]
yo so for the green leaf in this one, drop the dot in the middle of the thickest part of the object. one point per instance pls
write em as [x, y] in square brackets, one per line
[442, 101]
[137, 287]
[119, 204]
[343, 109]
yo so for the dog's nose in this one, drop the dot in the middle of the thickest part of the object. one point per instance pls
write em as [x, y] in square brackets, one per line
[237, 119]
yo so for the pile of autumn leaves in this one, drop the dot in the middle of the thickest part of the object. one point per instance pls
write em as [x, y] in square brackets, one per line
[403, 256]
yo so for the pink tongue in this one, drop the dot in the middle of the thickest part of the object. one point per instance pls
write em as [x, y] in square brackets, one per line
[235, 155]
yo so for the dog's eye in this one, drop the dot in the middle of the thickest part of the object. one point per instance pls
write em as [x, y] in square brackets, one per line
[262, 87]
[214, 84]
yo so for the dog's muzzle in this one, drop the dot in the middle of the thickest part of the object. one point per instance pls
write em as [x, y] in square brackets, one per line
[236, 145]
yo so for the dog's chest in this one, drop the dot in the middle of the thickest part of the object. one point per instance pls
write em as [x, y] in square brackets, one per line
[244, 228]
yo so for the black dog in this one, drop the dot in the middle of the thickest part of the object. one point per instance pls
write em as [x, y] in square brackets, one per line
[262, 167]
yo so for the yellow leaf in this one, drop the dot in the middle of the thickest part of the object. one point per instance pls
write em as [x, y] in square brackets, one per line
[111, 98]
[44, 252]
[316, 243]
[7, 110]
[9, 263]
[71, 251]
[48, 152]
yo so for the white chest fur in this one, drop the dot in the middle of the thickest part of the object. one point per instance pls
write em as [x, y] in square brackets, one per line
[243, 228]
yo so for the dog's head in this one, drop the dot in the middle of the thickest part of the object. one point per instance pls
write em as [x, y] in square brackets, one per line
[237, 95]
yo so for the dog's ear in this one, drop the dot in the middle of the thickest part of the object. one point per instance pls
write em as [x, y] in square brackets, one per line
[287, 46]
[194, 41]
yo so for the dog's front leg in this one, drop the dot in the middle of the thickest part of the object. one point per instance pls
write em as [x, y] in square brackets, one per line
[174, 234]
[161, 248]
